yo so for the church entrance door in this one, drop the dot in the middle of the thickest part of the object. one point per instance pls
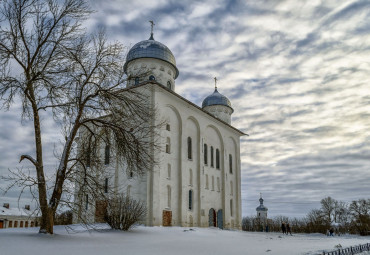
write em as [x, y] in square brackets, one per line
[220, 222]
[212, 217]
[167, 218]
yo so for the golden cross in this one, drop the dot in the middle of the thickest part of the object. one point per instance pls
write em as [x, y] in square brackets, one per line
[215, 82]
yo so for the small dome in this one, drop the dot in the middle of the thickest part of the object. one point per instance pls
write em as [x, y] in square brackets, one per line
[216, 99]
[261, 208]
[151, 49]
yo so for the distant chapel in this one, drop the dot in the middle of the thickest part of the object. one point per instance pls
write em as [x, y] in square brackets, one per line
[197, 182]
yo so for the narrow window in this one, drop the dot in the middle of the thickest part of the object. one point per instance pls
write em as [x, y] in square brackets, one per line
[190, 199]
[217, 159]
[205, 154]
[231, 188]
[15, 224]
[212, 156]
[10, 224]
[213, 183]
[230, 163]
[189, 148]
[151, 78]
[131, 174]
[88, 157]
[86, 201]
[106, 185]
[168, 127]
[168, 145]
[207, 185]
[169, 172]
[137, 80]
[169, 85]
[107, 154]
[21, 226]
[169, 196]
[190, 177]
[231, 207]
[218, 184]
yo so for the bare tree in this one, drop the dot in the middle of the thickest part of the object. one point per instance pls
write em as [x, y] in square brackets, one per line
[328, 208]
[80, 80]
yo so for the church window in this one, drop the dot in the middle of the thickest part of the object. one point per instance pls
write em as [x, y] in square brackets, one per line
[137, 80]
[151, 78]
[169, 172]
[231, 207]
[168, 127]
[130, 174]
[190, 177]
[231, 188]
[230, 163]
[189, 148]
[213, 183]
[207, 185]
[190, 199]
[168, 145]
[218, 184]
[106, 185]
[205, 154]
[217, 159]
[88, 157]
[168, 196]
[169, 85]
[212, 165]
[107, 154]
[86, 201]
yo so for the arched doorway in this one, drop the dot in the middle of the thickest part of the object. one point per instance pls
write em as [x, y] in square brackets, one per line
[220, 222]
[212, 218]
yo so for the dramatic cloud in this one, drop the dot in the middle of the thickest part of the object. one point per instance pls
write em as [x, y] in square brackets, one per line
[297, 75]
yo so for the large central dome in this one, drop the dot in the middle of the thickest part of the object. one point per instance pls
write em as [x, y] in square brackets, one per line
[151, 49]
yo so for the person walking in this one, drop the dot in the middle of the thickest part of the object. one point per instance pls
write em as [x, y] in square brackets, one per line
[288, 230]
[283, 228]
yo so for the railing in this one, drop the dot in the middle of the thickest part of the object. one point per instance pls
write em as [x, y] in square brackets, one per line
[349, 251]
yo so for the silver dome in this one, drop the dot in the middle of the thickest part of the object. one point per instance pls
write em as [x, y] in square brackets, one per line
[151, 49]
[216, 99]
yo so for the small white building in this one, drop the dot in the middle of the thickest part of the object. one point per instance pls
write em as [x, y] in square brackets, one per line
[197, 181]
[262, 213]
[16, 217]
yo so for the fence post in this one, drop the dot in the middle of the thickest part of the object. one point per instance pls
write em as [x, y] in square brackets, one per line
[351, 250]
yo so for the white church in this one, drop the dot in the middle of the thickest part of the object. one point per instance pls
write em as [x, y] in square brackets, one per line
[197, 181]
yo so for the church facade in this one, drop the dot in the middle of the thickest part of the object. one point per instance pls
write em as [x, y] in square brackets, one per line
[197, 181]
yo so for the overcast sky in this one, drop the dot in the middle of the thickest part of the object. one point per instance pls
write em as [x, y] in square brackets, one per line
[296, 73]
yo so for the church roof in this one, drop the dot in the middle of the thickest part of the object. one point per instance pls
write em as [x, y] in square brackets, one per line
[216, 99]
[151, 49]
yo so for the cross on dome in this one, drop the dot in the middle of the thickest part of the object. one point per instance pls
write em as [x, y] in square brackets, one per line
[152, 26]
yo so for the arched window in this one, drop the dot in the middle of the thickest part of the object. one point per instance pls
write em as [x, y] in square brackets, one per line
[218, 184]
[169, 85]
[168, 145]
[212, 165]
[168, 127]
[107, 154]
[168, 196]
[168, 171]
[217, 159]
[205, 154]
[213, 183]
[86, 201]
[190, 199]
[106, 185]
[137, 80]
[151, 78]
[189, 148]
[231, 188]
[88, 157]
[207, 184]
[230, 163]
[190, 177]
[231, 207]
[130, 174]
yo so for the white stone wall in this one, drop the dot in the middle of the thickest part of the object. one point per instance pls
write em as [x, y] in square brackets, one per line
[162, 71]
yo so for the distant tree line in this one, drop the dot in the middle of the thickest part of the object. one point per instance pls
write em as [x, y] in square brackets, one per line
[352, 218]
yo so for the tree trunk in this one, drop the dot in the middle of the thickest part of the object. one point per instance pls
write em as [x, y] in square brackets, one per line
[47, 221]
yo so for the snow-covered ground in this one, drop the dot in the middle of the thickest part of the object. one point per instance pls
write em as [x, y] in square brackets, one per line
[170, 240]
